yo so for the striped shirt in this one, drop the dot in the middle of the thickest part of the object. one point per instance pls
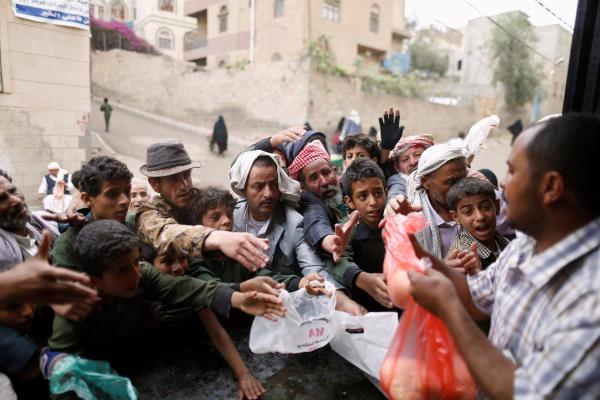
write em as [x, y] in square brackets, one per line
[545, 313]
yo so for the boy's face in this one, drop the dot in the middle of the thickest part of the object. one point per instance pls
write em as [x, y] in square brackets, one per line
[355, 152]
[477, 215]
[18, 316]
[121, 277]
[170, 263]
[112, 202]
[219, 218]
[368, 197]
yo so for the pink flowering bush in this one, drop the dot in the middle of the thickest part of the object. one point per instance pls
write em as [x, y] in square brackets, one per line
[107, 35]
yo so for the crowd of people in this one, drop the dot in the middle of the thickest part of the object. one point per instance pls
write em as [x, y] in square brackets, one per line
[514, 266]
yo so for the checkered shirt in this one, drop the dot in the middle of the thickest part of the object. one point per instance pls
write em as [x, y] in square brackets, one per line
[545, 313]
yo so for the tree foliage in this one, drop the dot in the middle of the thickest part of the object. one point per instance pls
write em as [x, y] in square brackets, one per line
[514, 64]
[425, 57]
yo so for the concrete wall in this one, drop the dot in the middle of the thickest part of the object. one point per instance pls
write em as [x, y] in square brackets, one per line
[334, 97]
[261, 99]
[264, 97]
[45, 97]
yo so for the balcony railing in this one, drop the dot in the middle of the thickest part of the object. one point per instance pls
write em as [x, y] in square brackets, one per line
[197, 44]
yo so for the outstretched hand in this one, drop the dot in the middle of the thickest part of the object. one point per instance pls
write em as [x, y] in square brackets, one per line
[291, 134]
[255, 303]
[37, 281]
[341, 236]
[249, 388]
[262, 284]
[389, 126]
[399, 205]
[243, 247]
[74, 219]
[314, 284]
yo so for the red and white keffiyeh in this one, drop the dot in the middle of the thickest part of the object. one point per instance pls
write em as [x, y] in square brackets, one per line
[410, 141]
[312, 152]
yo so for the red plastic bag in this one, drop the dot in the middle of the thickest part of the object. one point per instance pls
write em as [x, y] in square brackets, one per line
[422, 361]
[400, 255]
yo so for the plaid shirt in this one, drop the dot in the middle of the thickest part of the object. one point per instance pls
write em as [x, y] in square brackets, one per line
[545, 311]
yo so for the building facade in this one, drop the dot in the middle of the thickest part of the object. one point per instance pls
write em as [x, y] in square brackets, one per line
[44, 97]
[238, 31]
[448, 41]
[552, 47]
[162, 23]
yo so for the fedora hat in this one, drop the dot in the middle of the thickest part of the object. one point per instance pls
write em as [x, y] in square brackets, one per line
[167, 157]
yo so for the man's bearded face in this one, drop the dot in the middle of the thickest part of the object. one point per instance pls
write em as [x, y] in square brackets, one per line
[14, 213]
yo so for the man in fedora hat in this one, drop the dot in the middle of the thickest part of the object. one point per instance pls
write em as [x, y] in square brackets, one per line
[168, 168]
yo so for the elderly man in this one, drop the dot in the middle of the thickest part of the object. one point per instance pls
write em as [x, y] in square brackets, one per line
[20, 230]
[139, 194]
[55, 174]
[268, 212]
[439, 167]
[321, 200]
[169, 169]
[22, 239]
[542, 294]
[405, 156]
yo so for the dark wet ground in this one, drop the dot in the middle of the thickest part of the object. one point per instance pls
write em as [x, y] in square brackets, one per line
[199, 372]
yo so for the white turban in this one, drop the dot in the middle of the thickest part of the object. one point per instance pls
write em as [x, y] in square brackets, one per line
[239, 172]
[431, 160]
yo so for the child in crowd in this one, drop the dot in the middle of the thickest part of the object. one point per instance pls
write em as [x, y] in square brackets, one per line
[24, 327]
[360, 268]
[172, 264]
[213, 207]
[473, 204]
[109, 252]
[357, 146]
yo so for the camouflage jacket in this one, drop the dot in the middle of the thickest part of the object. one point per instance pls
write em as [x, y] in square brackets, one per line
[156, 226]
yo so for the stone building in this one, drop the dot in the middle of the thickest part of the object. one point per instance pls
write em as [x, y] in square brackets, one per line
[553, 43]
[162, 23]
[44, 97]
[238, 31]
[448, 41]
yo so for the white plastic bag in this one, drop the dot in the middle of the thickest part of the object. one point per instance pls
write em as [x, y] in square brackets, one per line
[478, 133]
[365, 350]
[307, 324]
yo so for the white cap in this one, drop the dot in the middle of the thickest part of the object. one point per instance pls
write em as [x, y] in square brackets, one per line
[54, 165]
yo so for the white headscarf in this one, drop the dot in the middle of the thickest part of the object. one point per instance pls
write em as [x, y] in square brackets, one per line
[239, 172]
[431, 160]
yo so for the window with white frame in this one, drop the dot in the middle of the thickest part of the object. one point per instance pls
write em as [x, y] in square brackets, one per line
[164, 39]
[331, 10]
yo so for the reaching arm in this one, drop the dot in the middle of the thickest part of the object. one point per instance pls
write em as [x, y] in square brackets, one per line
[249, 387]
[458, 280]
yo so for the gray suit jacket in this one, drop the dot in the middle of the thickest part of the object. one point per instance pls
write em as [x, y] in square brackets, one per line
[288, 252]
[10, 252]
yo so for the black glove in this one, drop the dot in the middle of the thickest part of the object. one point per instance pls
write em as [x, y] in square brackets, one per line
[391, 131]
